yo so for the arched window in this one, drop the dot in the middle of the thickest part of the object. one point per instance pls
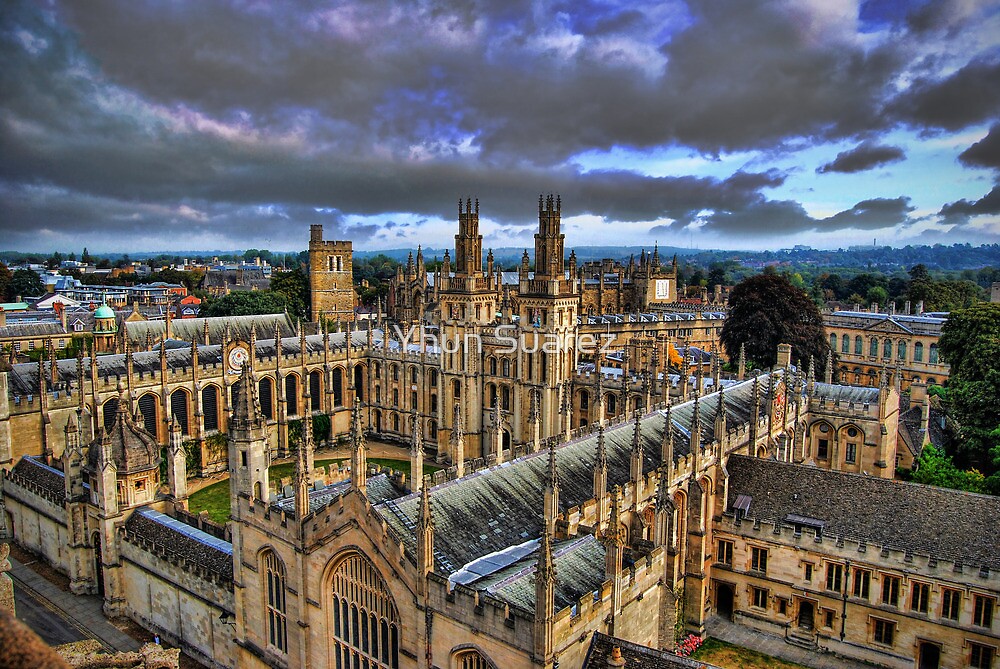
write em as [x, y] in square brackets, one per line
[845, 344]
[457, 389]
[918, 352]
[493, 366]
[315, 389]
[179, 409]
[584, 400]
[901, 350]
[395, 397]
[110, 408]
[833, 341]
[265, 393]
[933, 357]
[472, 659]
[395, 373]
[338, 386]
[434, 377]
[873, 347]
[359, 382]
[505, 398]
[612, 402]
[887, 348]
[377, 370]
[858, 345]
[365, 621]
[413, 375]
[505, 367]
[274, 591]
[210, 407]
[291, 395]
[147, 407]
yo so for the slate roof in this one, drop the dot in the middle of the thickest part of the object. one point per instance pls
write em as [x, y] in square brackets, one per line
[909, 428]
[493, 509]
[36, 475]
[132, 448]
[26, 330]
[378, 489]
[579, 566]
[192, 546]
[636, 656]
[191, 329]
[23, 379]
[930, 325]
[945, 524]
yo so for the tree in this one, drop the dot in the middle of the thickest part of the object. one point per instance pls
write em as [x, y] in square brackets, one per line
[86, 256]
[936, 468]
[970, 343]
[24, 283]
[294, 286]
[5, 276]
[248, 303]
[766, 310]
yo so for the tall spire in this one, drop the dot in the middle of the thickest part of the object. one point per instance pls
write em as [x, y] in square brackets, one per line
[425, 535]
[416, 452]
[359, 450]
[695, 443]
[601, 476]
[720, 416]
[302, 470]
[667, 445]
[742, 367]
[458, 441]
[637, 449]
[545, 589]
[551, 496]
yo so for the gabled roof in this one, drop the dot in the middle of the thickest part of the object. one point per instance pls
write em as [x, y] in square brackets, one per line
[945, 524]
[496, 508]
[188, 545]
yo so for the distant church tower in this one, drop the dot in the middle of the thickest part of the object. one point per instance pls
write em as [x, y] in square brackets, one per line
[330, 277]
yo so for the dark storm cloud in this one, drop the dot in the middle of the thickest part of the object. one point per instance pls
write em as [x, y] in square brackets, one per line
[251, 120]
[960, 212]
[985, 152]
[863, 157]
[871, 215]
[970, 95]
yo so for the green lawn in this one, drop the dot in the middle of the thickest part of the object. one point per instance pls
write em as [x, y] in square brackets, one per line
[215, 498]
[728, 656]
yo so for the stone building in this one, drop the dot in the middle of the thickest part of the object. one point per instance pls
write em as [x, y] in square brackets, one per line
[330, 278]
[869, 344]
[557, 518]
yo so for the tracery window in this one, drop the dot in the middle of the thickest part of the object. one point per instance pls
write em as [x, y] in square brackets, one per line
[365, 621]
[274, 587]
[472, 659]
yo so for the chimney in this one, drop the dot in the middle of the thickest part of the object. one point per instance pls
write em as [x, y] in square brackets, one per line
[920, 307]
[906, 308]
[784, 356]
[615, 660]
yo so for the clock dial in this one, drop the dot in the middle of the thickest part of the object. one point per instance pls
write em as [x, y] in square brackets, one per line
[238, 357]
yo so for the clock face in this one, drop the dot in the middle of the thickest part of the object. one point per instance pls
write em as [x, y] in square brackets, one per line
[238, 356]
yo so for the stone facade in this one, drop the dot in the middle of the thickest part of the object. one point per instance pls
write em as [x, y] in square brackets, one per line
[870, 345]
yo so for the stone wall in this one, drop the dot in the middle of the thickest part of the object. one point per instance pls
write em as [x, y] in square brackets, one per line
[184, 608]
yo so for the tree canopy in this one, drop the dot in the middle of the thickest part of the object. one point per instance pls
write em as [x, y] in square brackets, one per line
[970, 344]
[766, 310]
[294, 287]
[249, 303]
[24, 283]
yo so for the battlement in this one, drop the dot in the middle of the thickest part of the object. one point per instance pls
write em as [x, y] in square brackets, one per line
[859, 550]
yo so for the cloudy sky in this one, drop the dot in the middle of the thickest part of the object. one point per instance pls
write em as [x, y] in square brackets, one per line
[187, 125]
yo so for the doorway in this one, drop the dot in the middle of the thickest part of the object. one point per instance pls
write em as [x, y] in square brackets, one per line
[930, 655]
[806, 613]
[724, 600]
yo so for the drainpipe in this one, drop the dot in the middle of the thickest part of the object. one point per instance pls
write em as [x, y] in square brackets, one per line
[843, 611]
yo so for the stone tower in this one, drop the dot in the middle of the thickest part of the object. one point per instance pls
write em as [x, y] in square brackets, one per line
[330, 277]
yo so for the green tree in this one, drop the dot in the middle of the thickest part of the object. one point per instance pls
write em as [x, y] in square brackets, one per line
[5, 276]
[294, 286]
[245, 304]
[877, 295]
[766, 310]
[970, 343]
[935, 467]
[24, 283]
[86, 256]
